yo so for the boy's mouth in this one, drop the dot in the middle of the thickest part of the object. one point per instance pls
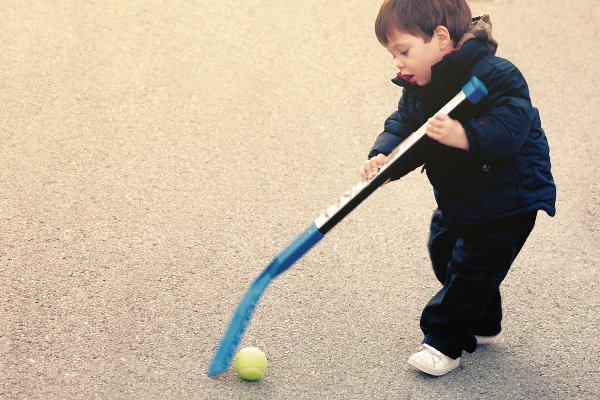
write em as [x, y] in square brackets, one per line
[407, 77]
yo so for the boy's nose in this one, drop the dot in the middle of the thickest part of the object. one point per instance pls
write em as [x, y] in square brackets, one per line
[399, 64]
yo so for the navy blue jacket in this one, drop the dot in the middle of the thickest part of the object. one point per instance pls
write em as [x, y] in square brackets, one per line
[506, 171]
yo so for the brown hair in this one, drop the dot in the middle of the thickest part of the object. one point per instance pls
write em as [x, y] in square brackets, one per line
[421, 17]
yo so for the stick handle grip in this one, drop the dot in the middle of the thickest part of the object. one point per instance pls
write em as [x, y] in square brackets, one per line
[474, 90]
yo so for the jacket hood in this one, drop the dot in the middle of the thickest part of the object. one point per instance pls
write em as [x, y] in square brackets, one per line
[481, 29]
[469, 49]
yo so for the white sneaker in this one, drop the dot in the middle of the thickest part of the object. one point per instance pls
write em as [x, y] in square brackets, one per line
[486, 339]
[432, 361]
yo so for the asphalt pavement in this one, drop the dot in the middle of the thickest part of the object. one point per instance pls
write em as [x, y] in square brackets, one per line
[155, 155]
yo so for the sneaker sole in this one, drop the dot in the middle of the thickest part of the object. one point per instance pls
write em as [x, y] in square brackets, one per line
[433, 372]
[486, 339]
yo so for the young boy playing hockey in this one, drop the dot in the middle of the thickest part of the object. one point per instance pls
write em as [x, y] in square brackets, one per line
[489, 166]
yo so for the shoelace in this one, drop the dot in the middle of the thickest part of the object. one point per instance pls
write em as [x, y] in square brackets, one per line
[436, 355]
[435, 352]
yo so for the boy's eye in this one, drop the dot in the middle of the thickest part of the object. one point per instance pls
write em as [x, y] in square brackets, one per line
[402, 53]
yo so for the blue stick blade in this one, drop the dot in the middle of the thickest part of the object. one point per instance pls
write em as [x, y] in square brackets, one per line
[474, 90]
[242, 315]
[237, 326]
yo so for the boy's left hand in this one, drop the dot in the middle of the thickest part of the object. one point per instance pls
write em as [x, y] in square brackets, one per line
[448, 131]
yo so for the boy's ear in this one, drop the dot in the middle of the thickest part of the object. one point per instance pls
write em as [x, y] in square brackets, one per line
[442, 34]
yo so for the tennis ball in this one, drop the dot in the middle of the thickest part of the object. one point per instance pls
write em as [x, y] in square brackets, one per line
[250, 363]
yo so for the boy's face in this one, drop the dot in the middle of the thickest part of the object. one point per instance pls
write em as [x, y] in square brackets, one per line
[414, 57]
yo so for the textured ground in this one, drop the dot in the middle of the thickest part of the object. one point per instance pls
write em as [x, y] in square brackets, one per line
[155, 155]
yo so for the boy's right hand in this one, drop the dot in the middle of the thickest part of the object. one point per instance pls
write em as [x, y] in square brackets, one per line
[371, 166]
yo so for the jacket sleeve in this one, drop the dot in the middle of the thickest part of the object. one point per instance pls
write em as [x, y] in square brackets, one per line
[398, 127]
[502, 128]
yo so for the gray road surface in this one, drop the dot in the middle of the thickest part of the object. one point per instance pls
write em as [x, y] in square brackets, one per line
[155, 155]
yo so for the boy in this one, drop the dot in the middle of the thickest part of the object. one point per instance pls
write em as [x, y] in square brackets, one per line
[489, 166]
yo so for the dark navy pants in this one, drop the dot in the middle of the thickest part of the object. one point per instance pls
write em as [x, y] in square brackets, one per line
[471, 263]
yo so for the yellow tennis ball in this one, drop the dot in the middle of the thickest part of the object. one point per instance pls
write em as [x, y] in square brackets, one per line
[250, 363]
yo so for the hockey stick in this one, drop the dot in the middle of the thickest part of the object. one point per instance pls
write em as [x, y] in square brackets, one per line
[474, 91]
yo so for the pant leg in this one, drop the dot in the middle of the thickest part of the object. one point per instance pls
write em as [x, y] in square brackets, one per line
[489, 323]
[440, 245]
[481, 258]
